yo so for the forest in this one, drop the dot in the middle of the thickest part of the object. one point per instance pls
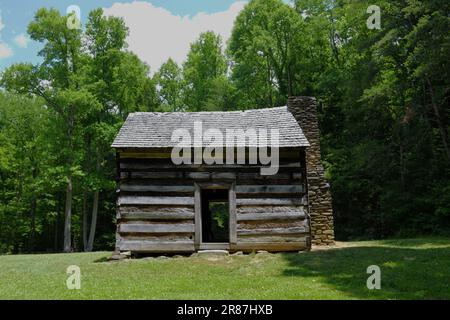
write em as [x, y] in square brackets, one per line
[383, 106]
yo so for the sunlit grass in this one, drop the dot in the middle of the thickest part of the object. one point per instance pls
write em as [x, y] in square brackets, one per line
[411, 269]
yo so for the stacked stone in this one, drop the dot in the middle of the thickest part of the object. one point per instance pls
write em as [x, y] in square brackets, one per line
[304, 110]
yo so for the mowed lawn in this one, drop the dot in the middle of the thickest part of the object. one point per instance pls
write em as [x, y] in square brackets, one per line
[410, 269]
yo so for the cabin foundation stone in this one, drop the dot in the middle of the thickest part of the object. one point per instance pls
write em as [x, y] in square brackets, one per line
[304, 110]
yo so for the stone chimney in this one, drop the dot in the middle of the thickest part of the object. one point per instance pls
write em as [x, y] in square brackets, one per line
[304, 110]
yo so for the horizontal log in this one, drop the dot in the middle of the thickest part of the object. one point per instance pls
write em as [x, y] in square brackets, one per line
[270, 216]
[187, 182]
[256, 209]
[174, 201]
[154, 194]
[269, 189]
[154, 188]
[214, 185]
[177, 177]
[271, 239]
[156, 209]
[271, 224]
[258, 176]
[156, 237]
[266, 182]
[151, 175]
[297, 175]
[271, 247]
[156, 228]
[223, 175]
[272, 231]
[214, 246]
[151, 166]
[271, 201]
[158, 182]
[198, 175]
[157, 216]
[156, 246]
[145, 155]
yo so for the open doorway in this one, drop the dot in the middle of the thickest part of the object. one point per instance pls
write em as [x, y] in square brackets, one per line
[215, 216]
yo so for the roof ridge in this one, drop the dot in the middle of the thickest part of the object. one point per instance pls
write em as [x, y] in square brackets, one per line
[206, 112]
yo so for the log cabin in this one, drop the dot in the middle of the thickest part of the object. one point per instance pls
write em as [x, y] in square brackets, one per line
[181, 190]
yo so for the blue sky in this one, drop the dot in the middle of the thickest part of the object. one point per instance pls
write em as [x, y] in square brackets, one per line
[151, 24]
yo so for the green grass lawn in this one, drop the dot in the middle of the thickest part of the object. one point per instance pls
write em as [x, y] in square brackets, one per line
[411, 269]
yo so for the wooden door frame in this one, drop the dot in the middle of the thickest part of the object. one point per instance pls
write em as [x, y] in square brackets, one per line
[231, 187]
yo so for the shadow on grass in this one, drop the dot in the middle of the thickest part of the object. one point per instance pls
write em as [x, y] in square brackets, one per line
[102, 259]
[406, 273]
[417, 242]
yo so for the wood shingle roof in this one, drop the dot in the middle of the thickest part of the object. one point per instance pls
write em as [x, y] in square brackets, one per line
[155, 129]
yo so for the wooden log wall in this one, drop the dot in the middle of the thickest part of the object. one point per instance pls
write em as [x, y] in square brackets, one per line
[156, 203]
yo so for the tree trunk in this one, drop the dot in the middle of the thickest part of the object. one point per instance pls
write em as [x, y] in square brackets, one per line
[33, 216]
[58, 214]
[33, 223]
[85, 222]
[90, 245]
[269, 83]
[290, 82]
[334, 47]
[442, 130]
[68, 218]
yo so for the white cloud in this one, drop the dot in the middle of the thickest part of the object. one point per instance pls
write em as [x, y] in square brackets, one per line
[22, 40]
[5, 50]
[156, 34]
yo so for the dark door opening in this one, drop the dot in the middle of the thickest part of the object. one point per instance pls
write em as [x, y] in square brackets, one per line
[215, 215]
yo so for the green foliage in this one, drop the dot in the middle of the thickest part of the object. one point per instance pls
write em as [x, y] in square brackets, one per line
[204, 65]
[170, 82]
[384, 115]
[265, 47]
[23, 158]
[89, 83]
[220, 220]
